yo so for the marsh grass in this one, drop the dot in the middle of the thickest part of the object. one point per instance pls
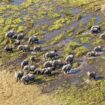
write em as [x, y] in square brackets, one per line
[76, 2]
[84, 95]
[80, 51]
[59, 23]
[98, 42]
[71, 46]
[23, 18]
[57, 39]
[76, 48]
[90, 24]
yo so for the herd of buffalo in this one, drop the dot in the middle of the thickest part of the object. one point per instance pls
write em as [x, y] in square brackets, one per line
[21, 42]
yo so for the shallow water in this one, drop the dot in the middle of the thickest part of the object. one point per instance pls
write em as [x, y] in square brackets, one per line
[18, 2]
[84, 21]
[75, 11]
[86, 18]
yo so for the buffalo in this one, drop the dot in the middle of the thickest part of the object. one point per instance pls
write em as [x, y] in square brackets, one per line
[95, 29]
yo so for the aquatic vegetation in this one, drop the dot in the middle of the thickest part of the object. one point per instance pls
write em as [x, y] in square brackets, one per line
[78, 17]
[59, 23]
[56, 27]
[80, 51]
[71, 29]
[84, 38]
[71, 47]
[6, 1]
[90, 24]
[76, 48]
[81, 30]
[9, 21]
[57, 39]
[44, 27]
[17, 21]
[54, 15]
[21, 29]
[98, 42]
[75, 65]
[2, 20]
[66, 12]
[76, 2]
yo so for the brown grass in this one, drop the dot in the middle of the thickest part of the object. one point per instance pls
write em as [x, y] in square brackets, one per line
[12, 93]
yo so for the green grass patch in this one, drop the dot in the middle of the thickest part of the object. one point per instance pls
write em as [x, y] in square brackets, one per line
[92, 94]
[76, 2]
[90, 24]
[85, 40]
[71, 47]
[57, 39]
[80, 51]
[59, 23]
[75, 65]
[70, 31]
[76, 48]
[54, 15]
[2, 20]
[98, 41]
[21, 29]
